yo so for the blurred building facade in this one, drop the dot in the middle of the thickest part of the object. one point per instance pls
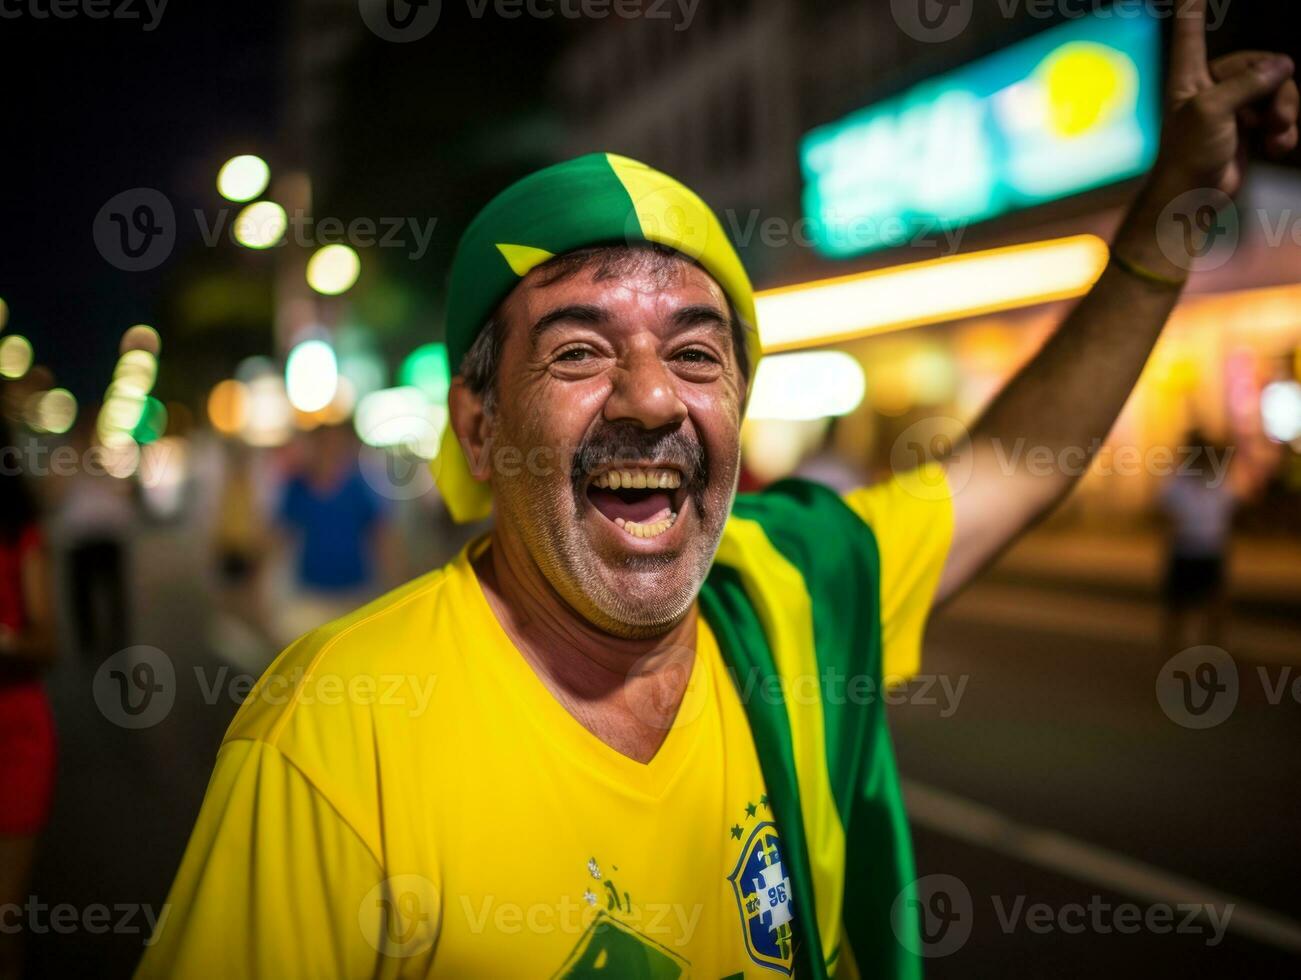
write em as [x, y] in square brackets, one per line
[724, 105]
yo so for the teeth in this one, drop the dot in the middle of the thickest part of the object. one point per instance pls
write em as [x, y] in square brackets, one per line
[647, 530]
[639, 479]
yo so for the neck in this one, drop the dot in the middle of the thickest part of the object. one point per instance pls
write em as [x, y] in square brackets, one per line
[625, 690]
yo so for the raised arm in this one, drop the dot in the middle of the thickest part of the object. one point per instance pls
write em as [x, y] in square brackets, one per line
[1067, 398]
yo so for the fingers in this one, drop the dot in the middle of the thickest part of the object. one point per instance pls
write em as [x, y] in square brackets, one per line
[1277, 116]
[1189, 73]
[1257, 80]
[1281, 123]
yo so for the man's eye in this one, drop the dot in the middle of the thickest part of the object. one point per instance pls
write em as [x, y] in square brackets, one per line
[695, 355]
[574, 354]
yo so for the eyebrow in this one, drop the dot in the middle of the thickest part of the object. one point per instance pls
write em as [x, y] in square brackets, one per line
[580, 312]
[687, 316]
[701, 313]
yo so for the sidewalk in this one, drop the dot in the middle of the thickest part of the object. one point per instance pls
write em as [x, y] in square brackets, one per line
[1263, 573]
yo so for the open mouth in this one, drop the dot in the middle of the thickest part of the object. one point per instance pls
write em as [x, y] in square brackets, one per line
[643, 500]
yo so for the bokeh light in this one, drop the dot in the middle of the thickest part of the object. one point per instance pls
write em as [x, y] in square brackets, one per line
[141, 337]
[15, 356]
[806, 385]
[243, 178]
[1280, 410]
[270, 420]
[51, 411]
[311, 375]
[261, 225]
[333, 269]
[4, 313]
[401, 417]
[228, 406]
[120, 457]
[137, 369]
[426, 368]
[152, 424]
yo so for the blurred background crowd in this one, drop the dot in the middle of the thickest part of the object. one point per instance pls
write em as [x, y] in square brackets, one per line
[222, 276]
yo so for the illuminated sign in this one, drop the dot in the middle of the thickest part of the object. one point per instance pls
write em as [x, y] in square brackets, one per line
[1070, 109]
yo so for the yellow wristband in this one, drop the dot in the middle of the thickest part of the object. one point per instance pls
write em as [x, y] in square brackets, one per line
[1146, 274]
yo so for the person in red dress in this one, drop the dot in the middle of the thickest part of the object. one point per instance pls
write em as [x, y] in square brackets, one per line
[26, 726]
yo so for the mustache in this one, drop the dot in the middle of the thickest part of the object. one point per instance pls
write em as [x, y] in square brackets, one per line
[622, 443]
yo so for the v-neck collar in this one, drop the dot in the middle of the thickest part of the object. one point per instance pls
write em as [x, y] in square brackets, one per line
[560, 728]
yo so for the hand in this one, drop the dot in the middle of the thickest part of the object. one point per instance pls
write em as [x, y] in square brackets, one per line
[1215, 110]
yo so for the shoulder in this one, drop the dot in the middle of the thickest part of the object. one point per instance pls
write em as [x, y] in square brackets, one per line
[809, 524]
[329, 682]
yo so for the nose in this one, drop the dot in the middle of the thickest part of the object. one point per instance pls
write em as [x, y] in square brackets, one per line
[644, 391]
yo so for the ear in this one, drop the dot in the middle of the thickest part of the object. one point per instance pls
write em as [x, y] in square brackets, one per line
[472, 426]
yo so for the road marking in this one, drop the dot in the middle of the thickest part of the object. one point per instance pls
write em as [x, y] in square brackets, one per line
[977, 824]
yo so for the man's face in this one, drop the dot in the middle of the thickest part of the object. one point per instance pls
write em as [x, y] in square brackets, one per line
[624, 397]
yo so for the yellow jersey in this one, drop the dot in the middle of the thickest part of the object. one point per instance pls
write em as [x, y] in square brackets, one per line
[400, 795]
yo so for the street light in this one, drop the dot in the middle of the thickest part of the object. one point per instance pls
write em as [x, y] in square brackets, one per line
[261, 225]
[243, 178]
[333, 269]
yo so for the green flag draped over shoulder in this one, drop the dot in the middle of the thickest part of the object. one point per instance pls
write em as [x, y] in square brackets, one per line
[793, 598]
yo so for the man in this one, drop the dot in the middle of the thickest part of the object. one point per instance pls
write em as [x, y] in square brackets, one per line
[631, 731]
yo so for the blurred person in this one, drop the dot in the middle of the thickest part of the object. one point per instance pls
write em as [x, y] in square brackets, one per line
[239, 544]
[92, 524]
[829, 467]
[1199, 500]
[335, 525]
[27, 742]
[585, 760]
